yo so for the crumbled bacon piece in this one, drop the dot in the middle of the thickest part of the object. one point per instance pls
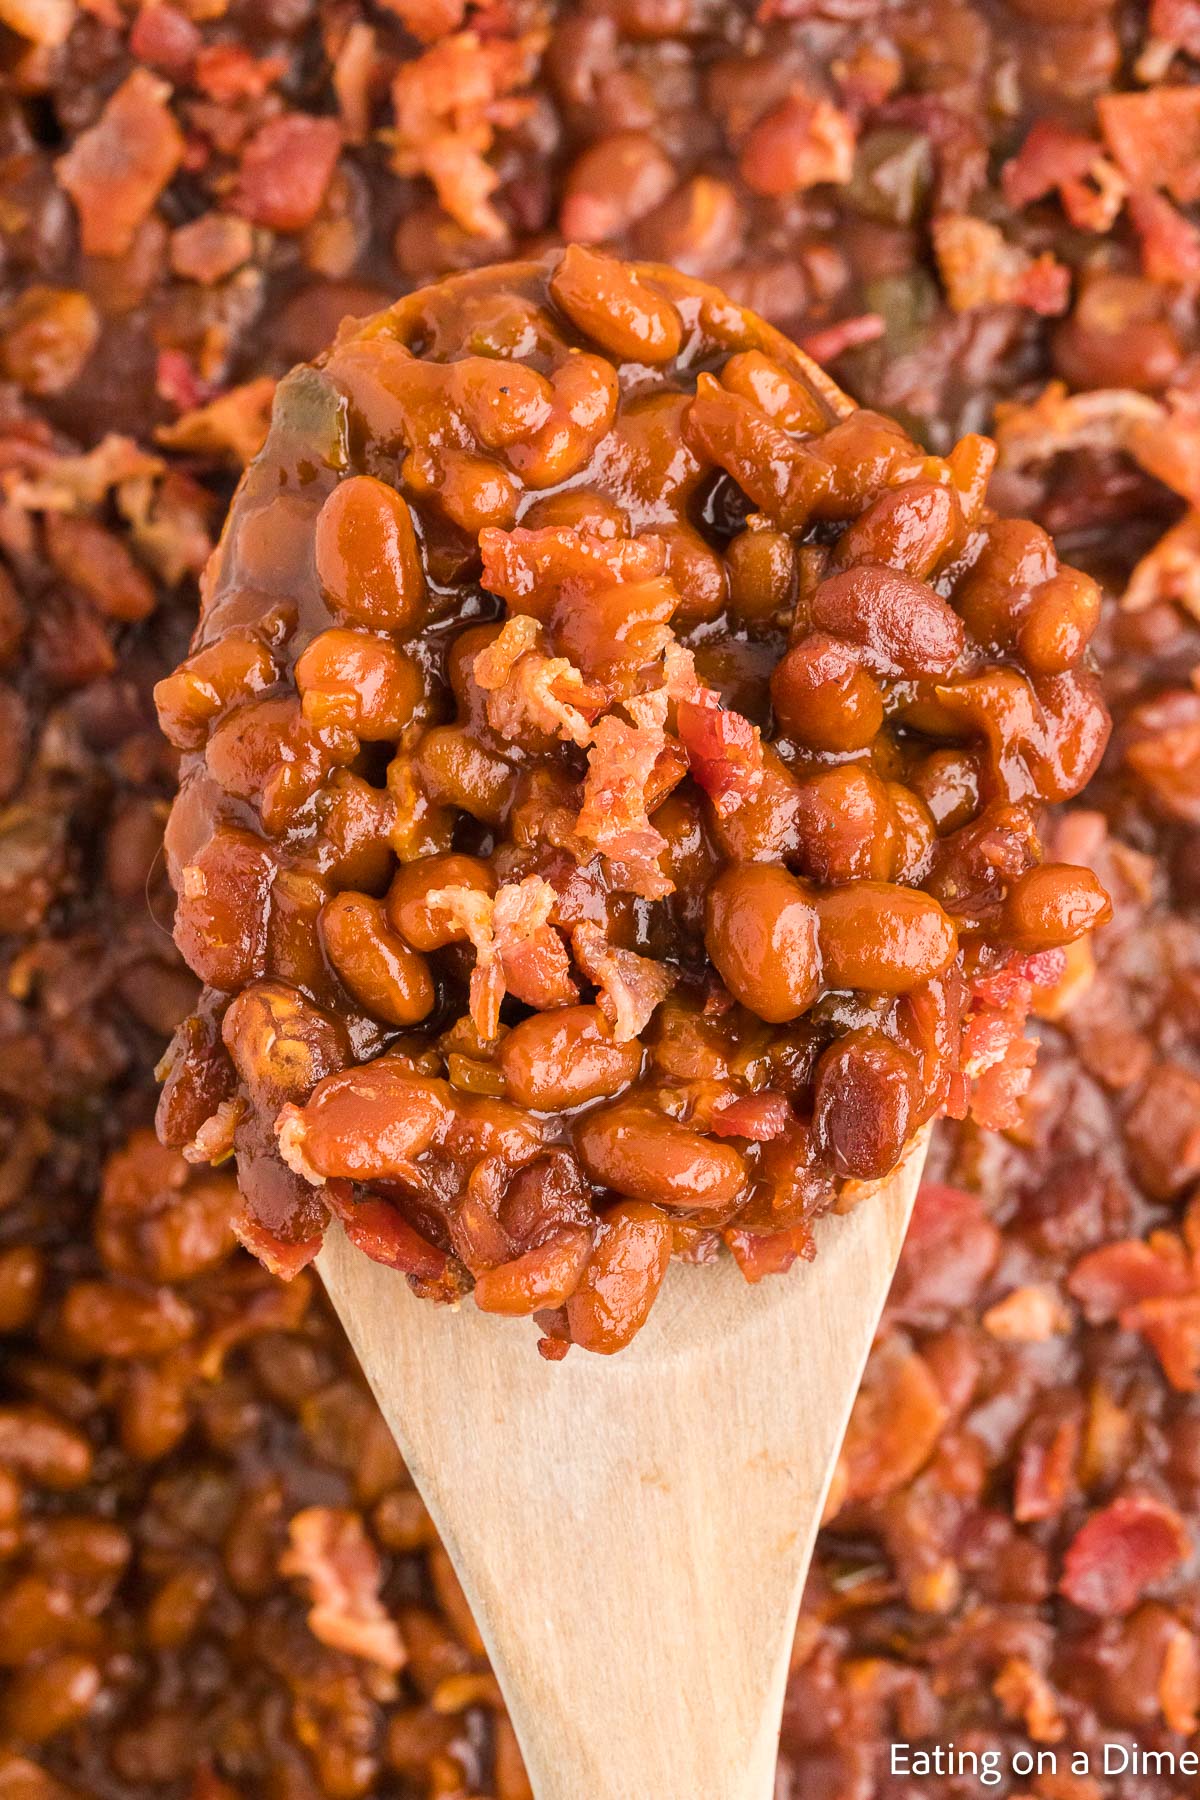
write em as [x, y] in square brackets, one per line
[285, 169]
[448, 106]
[1170, 242]
[1171, 1327]
[1025, 1694]
[1121, 1551]
[377, 1228]
[527, 689]
[631, 986]
[761, 1253]
[516, 948]
[802, 143]
[1054, 159]
[211, 247]
[1176, 22]
[228, 73]
[354, 80]
[166, 38]
[979, 268]
[428, 20]
[330, 1550]
[724, 750]
[232, 428]
[1118, 1275]
[115, 172]
[1155, 138]
[759, 1117]
[614, 818]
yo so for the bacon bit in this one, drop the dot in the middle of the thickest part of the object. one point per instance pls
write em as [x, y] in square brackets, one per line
[999, 1090]
[526, 689]
[377, 1228]
[232, 428]
[1025, 1694]
[1171, 1327]
[1170, 243]
[949, 1252]
[1046, 1473]
[1103, 419]
[354, 79]
[758, 1117]
[1121, 1551]
[1170, 571]
[228, 72]
[51, 482]
[614, 818]
[211, 247]
[213, 1142]
[631, 986]
[823, 346]
[800, 144]
[116, 171]
[1055, 159]
[1179, 1681]
[527, 568]
[428, 20]
[285, 170]
[448, 106]
[897, 1420]
[724, 751]
[283, 1257]
[168, 520]
[1155, 138]
[176, 381]
[1177, 22]
[979, 268]
[516, 948]
[1029, 1315]
[44, 22]
[759, 1253]
[330, 1550]
[1119, 1275]
[165, 38]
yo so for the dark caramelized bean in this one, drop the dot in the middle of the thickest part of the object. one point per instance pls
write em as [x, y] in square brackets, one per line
[901, 626]
[863, 1106]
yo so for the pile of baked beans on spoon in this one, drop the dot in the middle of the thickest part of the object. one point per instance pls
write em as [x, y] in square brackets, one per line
[611, 768]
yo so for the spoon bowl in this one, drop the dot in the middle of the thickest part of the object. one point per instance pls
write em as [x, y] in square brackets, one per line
[633, 1532]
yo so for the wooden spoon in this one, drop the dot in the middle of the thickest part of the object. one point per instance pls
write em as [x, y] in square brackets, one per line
[633, 1532]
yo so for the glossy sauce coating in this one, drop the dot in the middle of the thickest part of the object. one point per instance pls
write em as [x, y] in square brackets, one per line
[630, 769]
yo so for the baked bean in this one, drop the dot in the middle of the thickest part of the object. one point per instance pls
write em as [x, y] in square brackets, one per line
[456, 770]
[430, 927]
[902, 627]
[1059, 623]
[762, 573]
[221, 916]
[882, 938]
[220, 675]
[911, 528]
[280, 1043]
[608, 303]
[365, 1124]
[1052, 905]
[46, 1698]
[764, 827]
[362, 682]
[622, 1278]
[540, 1278]
[762, 936]
[636, 1150]
[556, 1060]
[387, 978]
[103, 1318]
[367, 558]
[781, 477]
[22, 1270]
[824, 698]
[914, 835]
[863, 1110]
[844, 821]
[35, 1443]
[947, 783]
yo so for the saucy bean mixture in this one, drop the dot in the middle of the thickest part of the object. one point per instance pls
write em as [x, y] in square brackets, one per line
[702, 854]
[216, 1580]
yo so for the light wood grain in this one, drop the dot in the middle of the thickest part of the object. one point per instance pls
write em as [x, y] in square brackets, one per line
[633, 1532]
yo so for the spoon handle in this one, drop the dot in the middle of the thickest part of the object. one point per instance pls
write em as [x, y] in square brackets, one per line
[633, 1533]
